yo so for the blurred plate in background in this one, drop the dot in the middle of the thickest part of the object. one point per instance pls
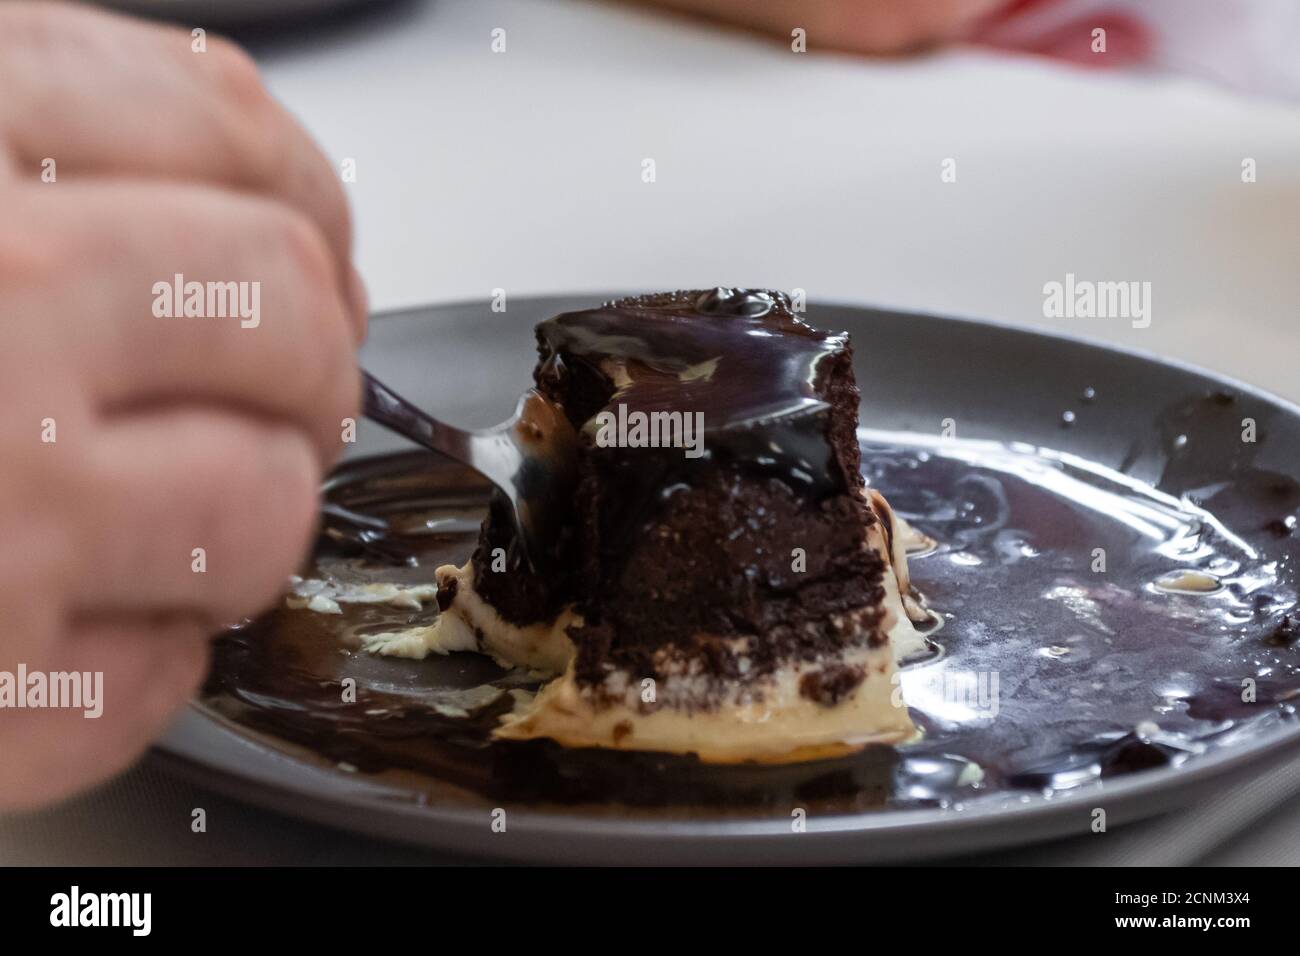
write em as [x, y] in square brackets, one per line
[224, 14]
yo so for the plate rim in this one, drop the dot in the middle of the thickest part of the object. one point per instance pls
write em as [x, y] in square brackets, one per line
[559, 822]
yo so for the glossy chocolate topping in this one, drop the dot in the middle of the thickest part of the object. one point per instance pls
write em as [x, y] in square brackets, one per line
[762, 378]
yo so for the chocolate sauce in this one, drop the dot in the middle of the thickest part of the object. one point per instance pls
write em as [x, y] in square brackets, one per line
[742, 359]
[1061, 663]
[749, 302]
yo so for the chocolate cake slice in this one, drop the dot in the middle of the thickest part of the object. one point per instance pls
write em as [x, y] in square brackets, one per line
[725, 583]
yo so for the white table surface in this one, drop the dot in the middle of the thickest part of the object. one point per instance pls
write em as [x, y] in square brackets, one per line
[522, 171]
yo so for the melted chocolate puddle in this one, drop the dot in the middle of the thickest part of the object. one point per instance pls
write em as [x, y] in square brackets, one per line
[1062, 662]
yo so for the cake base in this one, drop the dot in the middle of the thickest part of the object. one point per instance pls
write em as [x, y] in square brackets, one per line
[772, 720]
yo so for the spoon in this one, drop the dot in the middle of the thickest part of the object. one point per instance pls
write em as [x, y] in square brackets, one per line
[531, 458]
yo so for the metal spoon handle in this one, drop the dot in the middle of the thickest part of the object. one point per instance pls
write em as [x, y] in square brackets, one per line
[492, 452]
[383, 405]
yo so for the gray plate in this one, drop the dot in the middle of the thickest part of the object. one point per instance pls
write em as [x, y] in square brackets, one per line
[1007, 384]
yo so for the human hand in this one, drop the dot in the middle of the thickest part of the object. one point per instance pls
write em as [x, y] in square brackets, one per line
[1062, 29]
[131, 440]
[859, 26]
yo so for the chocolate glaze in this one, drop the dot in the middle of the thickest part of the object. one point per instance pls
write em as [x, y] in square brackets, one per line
[763, 379]
[1100, 674]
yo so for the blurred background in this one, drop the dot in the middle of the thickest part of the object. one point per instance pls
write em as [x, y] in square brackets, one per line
[501, 143]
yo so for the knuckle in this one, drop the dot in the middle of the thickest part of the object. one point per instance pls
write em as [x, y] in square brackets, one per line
[30, 253]
[260, 517]
[310, 260]
[291, 484]
[345, 402]
[327, 342]
[334, 209]
[340, 358]
[285, 478]
[237, 74]
[329, 364]
[33, 25]
[251, 119]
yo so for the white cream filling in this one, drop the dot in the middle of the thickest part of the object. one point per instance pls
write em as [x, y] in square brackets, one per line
[770, 722]
[471, 624]
[326, 596]
[892, 538]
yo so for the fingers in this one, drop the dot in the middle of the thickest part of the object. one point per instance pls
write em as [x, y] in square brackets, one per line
[149, 667]
[194, 509]
[859, 26]
[177, 298]
[283, 348]
[105, 95]
[1128, 39]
